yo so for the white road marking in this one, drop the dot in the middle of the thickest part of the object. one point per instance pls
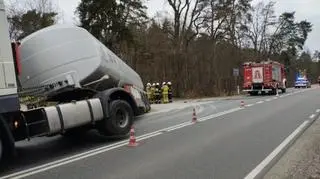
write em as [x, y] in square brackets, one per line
[269, 99]
[76, 157]
[148, 136]
[312, 116]
[178, 127]
[256, 171]
[259, 102]
[175, 126]
[318, 110]
[219, 114]
[71, 159]
[249, 105]
[35, 171]
[274, 98]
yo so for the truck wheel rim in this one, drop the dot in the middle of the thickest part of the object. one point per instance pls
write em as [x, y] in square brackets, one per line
[122, 118]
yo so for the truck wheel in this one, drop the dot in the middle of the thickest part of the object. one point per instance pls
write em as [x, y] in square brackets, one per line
[7, 147]
[120, 120]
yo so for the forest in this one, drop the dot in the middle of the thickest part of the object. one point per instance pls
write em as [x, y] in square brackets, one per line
[196, 45]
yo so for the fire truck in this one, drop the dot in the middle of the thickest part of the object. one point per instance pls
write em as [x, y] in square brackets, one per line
[266, 77]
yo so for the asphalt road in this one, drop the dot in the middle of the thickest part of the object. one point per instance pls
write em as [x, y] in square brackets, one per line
[228, 142]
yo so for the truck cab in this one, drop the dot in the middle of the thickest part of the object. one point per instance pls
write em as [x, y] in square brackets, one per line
[9, 101]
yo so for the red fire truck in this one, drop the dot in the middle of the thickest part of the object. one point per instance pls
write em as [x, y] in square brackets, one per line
[264, 77]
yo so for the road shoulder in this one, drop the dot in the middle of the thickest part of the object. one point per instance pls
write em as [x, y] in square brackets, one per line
[302, 160]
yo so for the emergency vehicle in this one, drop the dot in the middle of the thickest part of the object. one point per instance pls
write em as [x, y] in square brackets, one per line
[266, 77]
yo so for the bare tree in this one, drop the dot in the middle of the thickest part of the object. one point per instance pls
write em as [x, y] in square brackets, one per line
[43, 6]
[187, 19]
[186, 27]
[214, 16]
[258, 32]
[26, 17]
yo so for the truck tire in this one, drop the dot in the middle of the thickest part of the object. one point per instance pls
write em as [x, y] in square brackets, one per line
[120, 120]
[7, 144]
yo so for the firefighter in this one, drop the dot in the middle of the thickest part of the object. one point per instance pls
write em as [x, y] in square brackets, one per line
[153, 89]
[148, 89]
[165, 91]
[169, 92]
[157, 93]
[161, 92]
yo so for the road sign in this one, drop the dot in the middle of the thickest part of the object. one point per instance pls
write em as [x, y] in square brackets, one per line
[236, 72]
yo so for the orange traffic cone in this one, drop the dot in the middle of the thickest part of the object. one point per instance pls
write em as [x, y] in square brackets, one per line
[242, 104]
[194, 116]
[132, 140]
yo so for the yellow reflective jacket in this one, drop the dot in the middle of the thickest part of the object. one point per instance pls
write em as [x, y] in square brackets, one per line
[165, 89]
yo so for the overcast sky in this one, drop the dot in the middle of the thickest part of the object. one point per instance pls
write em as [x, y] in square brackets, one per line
[305, 9]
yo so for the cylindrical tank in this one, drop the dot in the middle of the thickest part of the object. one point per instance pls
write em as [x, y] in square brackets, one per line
[70, 53]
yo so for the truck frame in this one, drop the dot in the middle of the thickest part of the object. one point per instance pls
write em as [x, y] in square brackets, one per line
[110, 111]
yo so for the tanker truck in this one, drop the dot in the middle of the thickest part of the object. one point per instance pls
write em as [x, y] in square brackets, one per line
[63, 81]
